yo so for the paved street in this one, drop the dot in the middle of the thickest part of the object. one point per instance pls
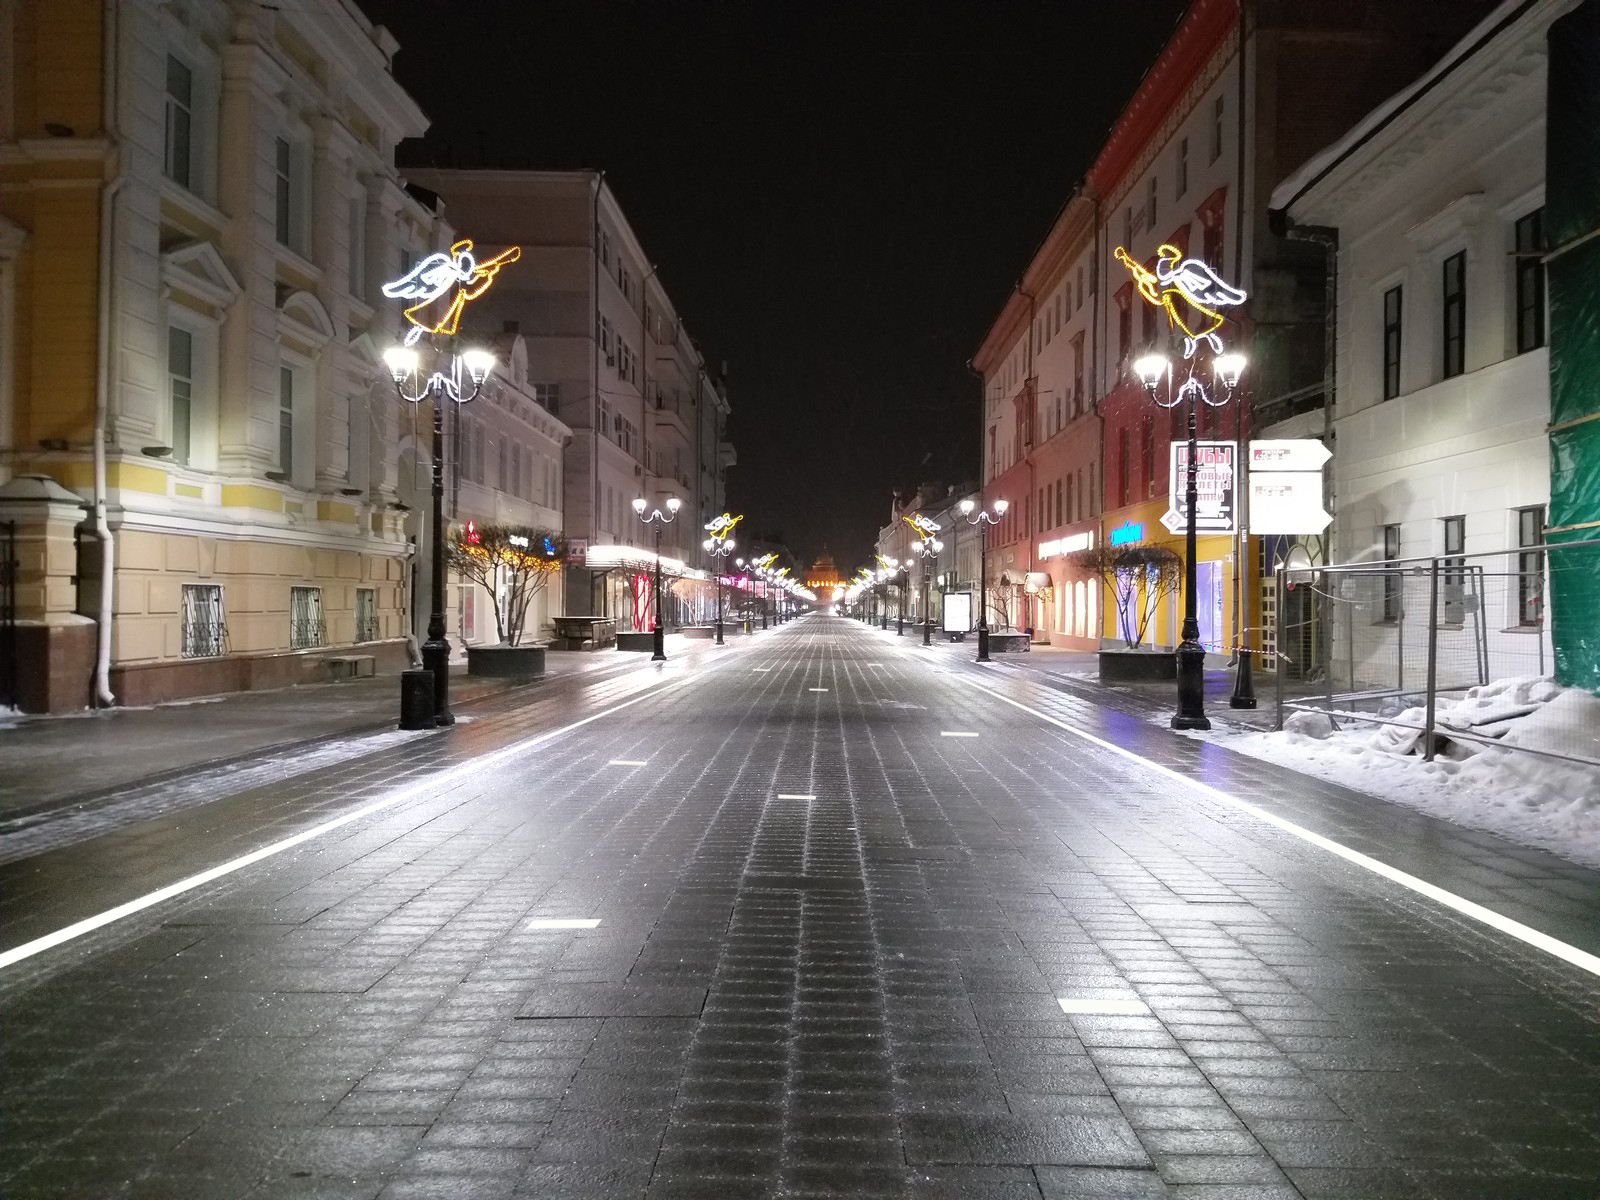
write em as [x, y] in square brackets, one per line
[819, 913]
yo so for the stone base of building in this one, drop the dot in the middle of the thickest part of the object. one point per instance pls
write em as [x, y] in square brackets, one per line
[55, 666]
[153, 683]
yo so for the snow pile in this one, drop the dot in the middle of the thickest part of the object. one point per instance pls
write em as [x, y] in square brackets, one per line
[1529, 798]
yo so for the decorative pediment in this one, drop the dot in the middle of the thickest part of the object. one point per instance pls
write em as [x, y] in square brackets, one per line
[196, 269]
[302, 320]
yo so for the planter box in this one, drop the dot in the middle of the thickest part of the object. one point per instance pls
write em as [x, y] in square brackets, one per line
[1138, 666]
[1009, 643]
[636, 641]
[702, 632]
[505, 662]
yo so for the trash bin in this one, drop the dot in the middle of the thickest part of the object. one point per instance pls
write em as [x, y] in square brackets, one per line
[416, 699]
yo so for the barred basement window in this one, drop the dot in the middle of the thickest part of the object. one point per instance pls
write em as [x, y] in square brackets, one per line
[306, 629]
[366, 614]
[204, 635]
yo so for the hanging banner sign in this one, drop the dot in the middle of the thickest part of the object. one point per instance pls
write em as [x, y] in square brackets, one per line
[1216, 483]
[577, 551]
[1287, 502]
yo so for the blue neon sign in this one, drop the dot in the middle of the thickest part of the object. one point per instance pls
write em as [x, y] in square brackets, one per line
[1127, 533]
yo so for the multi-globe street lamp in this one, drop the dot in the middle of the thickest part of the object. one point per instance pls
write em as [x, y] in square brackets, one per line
[928, 548]
[1157, 374]
[655, 517]
[981, 518]
[443, 381]
[719, 545]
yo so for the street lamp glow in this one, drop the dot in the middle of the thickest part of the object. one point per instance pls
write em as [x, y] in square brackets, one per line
[673, 504]
[1229, 367]
[1000, 506]
[639, 505]
[1150, 368]
[479, 363]
[966, 508]
[401, 361]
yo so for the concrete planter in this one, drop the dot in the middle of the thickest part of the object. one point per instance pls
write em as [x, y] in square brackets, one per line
[505, 662]
[1009, 643]
[645, 642]
[1138, 666]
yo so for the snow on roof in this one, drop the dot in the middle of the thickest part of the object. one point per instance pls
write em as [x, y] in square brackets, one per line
[1319, 164]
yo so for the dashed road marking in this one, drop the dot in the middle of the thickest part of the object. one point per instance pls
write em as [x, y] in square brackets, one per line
[956, 733]
[628, 762]
[795, 796]
[1107, 1008]
[564, 923]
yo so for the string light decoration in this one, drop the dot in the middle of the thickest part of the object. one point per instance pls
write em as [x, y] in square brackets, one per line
[1188, 289]
[437, 276]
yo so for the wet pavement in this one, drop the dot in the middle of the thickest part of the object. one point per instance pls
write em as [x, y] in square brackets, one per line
[838, 895]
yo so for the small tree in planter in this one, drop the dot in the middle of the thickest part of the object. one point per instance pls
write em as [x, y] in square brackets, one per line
[1123, 569]
[513, 563]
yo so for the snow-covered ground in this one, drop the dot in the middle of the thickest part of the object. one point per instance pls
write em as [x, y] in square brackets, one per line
[1529, 798]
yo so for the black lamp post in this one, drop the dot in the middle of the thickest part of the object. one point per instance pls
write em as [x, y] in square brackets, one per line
[719, 546]
[444, 382]
[928, 548]
[1156, 373]
[657, 518]
[980, 519]
[900, 582]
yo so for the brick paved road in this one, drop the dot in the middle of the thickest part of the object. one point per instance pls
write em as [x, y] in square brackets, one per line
[832, 948]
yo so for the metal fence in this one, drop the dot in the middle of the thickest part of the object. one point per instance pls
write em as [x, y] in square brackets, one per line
[1454, 648]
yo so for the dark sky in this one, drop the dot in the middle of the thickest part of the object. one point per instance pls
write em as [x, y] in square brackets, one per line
[838, 194]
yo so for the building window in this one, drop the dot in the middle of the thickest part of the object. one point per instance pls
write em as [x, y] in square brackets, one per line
[1150, 203]
[306, 630]
[203, 633]
[1218, 106]
[1077, 375]
[1453, 571]
[1058, 502]
[366, 614]
[1455, 313]
[1391, 343]
[1147, 454]
[1530, 566]
[180, 390]
[286, 421]
[1211, 238]
[547, 396]
[1124, 484]
[283, 191]
[1530, 281]
[604, 239]
[1124, 324]
[1181, 182]
[1392, 580]
[358, 246]
[624, 281]
[178, 152]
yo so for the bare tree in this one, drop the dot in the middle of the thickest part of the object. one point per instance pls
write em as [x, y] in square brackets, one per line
[1139, 577]
[513, 563]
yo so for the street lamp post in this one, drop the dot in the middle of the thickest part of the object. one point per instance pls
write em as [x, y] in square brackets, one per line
[981, 518]
[1156, 373]
[901, 580]
[719, 545]
[655, 517]
[928, 548]
[405, 368]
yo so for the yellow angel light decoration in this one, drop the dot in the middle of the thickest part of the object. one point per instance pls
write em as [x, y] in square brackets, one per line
[1190, 291]
[436, 277]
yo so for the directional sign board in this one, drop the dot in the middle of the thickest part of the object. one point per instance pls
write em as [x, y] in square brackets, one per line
[1287, 502]
[1288, 454]
[1215, 486]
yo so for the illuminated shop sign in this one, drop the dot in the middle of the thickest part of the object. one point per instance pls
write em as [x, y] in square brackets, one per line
[1127, 533]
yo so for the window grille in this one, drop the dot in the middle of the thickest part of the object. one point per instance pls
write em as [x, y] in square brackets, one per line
[306, 628]
[203, 633]
[366, 614]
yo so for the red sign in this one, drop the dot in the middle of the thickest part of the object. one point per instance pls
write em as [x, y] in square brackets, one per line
[471, 537]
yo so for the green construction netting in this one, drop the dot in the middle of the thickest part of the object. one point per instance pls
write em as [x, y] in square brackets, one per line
[1572, 210]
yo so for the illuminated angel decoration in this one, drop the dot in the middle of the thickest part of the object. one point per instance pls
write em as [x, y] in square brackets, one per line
[436, 277]
[1190, 291]
[721, 527]
[926, 527]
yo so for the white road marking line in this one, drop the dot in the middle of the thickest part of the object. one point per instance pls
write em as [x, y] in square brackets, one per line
[816, 689]
[627, 762]
[1581, 959]
[758, 670]
[794, 796]
[956, 733]
[564, 923]
[1112, 1008]
[431, 784]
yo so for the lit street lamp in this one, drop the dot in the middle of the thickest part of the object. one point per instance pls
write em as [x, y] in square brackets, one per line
[1156, 373]
[658, 519]
[719, 545]
[928, 548]
[443, 382]
[983, 517]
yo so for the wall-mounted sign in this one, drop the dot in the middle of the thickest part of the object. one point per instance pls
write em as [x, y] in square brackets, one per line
[957, 612]
[578, 551]
[1216, 483]
[1127, 533]
[1287, 502]
[1288, 454]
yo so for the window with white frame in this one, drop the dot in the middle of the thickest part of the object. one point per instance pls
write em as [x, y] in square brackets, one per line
[358, 442]
[180, 391]
[178, 147]
[1392, 313]
[1453, 576]
[1392, 579]
[203, 634]
[366, 614]
[1529, 248]
[1530, 566]
[1454, 312]
[286, 389]
[283, 191]
[306, 628]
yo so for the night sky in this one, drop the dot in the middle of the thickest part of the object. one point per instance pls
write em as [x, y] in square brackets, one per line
[838, 196]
